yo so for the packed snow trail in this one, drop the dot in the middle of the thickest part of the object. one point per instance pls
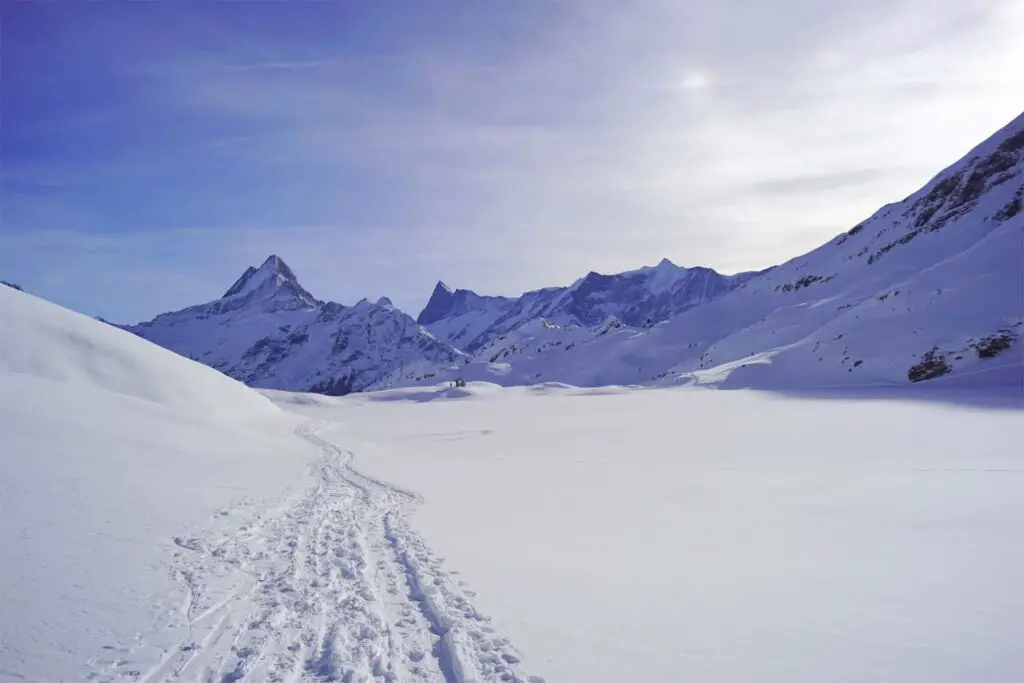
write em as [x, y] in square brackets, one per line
[330, 585]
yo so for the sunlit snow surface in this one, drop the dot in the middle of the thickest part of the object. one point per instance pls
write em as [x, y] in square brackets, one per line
[700, 535]
[160, 522]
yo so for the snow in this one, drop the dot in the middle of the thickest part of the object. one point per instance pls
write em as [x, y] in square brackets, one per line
[49, 343]
[689, 534]
[938, 272]
[269, 332]
[272, 275]
[161, 522]
[470, 321]
[662, 276]
[111, 447]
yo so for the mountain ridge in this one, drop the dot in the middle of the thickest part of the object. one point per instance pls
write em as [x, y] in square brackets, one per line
[270, 332]
[933, 280]
[928, 286]
[645, 295]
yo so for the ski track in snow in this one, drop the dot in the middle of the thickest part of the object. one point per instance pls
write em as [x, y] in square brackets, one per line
[330, 585]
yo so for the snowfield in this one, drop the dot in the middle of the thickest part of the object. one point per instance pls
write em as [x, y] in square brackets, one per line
[699, 535]
[161, 522]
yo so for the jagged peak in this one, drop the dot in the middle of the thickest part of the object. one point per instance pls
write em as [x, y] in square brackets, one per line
[240, 282]
[441, 302]
[279, 267]
[273, 269]
[384, 301]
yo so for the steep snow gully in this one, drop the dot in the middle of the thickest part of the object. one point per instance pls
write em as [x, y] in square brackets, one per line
[330, 584]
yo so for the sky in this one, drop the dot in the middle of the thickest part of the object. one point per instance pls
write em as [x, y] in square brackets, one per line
[152, 151]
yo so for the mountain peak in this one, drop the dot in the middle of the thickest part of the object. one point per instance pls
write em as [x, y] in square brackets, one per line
[442, 300]
[273, 270]
[273, 283]
[276, 264]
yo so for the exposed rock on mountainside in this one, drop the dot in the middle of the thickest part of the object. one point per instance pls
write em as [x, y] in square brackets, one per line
[929, 287]
[651, 294]
[269, 332]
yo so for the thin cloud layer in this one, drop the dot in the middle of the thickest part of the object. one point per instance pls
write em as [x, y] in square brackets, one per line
[500, 148]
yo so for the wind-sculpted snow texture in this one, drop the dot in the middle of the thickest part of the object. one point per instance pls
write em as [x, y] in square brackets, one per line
[929, 288]
[267, 331]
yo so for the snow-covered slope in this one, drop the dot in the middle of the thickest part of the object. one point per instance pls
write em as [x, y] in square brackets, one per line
[110, 447]
[648, 295]
[927, 287]
[267, 331]
[161, 522]
[46, 342]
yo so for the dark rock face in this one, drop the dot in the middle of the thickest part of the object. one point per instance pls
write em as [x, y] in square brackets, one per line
[441, 303]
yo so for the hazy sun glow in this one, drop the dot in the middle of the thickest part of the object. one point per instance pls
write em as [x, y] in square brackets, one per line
[379, 147]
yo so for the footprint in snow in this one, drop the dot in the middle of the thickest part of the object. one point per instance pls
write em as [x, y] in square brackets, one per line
[194, 544]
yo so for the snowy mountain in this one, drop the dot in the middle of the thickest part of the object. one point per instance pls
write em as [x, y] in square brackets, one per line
[651, 294]
[164, 522]
[929, 286]
[269, 332]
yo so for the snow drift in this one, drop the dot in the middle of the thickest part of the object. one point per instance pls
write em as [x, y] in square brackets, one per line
[111, 447]
[44, 341]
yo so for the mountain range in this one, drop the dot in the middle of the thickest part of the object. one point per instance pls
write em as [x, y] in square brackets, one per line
[928, 287]
[269, 332]
[639, 297]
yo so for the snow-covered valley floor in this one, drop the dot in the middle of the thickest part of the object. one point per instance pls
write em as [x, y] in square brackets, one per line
[320, 578]
[161, 522]
[696, 535]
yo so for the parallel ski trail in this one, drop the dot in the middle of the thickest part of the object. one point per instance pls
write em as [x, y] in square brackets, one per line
[330, 585]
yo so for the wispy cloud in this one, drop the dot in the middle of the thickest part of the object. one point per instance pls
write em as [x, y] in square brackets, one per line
[518, 147]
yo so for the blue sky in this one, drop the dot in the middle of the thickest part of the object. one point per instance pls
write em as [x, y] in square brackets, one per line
[151, 151]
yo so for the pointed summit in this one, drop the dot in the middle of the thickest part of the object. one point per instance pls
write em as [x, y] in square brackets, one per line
[279, 267]
[273, 283]
[274, 270]
[240, 283]
[439, 306]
